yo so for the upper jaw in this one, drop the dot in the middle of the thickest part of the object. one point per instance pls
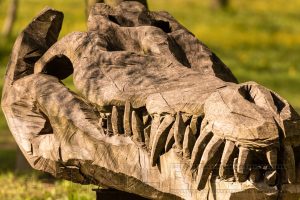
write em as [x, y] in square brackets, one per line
[111, 78]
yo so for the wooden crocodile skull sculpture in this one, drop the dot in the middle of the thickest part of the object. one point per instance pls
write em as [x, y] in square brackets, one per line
[153, 103]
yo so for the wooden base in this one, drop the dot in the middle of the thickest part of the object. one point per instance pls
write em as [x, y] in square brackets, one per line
[109, 194]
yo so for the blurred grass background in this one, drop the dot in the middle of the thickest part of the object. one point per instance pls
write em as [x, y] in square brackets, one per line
[259, 40]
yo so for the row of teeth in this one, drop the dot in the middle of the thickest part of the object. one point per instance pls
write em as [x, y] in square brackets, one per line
[157, 133]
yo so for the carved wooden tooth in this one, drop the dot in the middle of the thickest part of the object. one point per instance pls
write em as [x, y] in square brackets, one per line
[137, 127]
[203, 126]
[244, 161]
[211, 156]
[160, 138]
[101, 122]
[127, 119]
[195, 125]
[188, 142]
[297, 179]
[198, 149]
[289, 164]
[147, 135]
[179, 129]
[109, 129]
[272, 158]
[235, 162]
[270, 177]
[154, 126]
[170, 139]
[116, 121]
[225, 170]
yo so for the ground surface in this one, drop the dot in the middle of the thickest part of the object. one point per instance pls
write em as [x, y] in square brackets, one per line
[259, 40]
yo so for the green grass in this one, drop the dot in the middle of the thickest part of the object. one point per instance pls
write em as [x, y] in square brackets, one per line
[259, 40]
[31, 187]
[34, 185]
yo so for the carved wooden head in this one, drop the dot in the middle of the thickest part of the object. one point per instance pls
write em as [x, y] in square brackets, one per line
[150, 94]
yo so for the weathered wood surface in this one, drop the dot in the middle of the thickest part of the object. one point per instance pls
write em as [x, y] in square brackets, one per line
[158, 114]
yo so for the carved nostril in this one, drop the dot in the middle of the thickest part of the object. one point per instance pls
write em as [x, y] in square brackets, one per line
[263, 97]
[245, 92]
[278, 103]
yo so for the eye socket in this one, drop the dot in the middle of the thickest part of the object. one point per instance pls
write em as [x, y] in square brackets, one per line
[59, 66]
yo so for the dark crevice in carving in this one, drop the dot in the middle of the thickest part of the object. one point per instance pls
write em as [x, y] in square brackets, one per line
[297, 162]
[199, 123]
[32, 56]
[104, 123]
[54, 29]
[59, 66]
[178, 52]
[221, 70]
[278, 103]
[163, 25]
[280, 168]
[113, 19]
[121, 21]
[115, 45]
[47, 127]
[188, 121]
